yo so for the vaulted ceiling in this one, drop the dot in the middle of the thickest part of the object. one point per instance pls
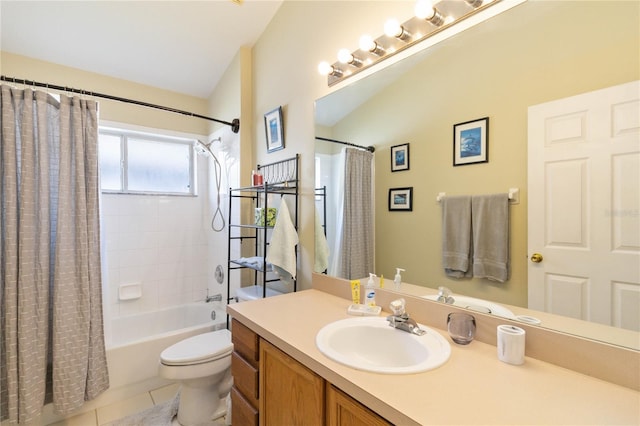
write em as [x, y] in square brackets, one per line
[182, 46]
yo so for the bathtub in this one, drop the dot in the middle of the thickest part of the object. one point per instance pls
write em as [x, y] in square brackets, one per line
[137, 340]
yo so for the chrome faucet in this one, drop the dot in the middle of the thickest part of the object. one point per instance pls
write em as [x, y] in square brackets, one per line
[400, 319]
[214, 298]
[444, 295]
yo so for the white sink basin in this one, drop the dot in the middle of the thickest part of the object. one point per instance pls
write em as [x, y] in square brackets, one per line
[478, 305]
[370, 344]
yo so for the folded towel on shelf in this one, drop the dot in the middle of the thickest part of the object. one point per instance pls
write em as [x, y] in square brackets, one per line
[321, 247]
[490, 223]
[254, 262]
[282, 247]
[456, 236]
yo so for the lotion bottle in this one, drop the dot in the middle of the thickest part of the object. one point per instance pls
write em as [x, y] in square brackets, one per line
[370, 292]
[397, 280]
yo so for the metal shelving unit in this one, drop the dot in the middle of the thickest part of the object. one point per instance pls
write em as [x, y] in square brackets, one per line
[280, 178]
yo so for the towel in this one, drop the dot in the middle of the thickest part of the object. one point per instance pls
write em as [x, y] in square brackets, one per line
[490, 222]
[282, 247]
[255, 262]
[456, 236]
[321, 249]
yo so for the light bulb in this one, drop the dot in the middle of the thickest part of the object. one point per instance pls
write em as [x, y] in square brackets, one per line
[424, 9]
[392, 28]
[367, 44]
[324, 68]
[344, 56]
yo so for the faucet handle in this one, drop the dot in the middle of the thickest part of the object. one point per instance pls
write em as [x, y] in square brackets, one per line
[397, 307]
[444, 295]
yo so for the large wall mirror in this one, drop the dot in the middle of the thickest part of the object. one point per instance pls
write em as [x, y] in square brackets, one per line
[533, 53]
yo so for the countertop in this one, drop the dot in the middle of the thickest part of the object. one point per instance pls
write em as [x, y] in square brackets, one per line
[472, 387]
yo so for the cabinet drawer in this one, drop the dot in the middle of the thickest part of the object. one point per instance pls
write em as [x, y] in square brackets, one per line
[245, 378]
[245, 342]
[242, 413]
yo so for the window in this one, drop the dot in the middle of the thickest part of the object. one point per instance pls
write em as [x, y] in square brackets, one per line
[140, 163]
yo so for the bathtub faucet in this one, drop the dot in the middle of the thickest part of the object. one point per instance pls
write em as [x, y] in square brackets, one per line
[214, 298]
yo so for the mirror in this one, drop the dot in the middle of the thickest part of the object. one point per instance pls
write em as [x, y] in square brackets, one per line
[533, 53]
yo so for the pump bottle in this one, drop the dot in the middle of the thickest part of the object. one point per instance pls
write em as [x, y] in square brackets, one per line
[370, 292]
[397, 280]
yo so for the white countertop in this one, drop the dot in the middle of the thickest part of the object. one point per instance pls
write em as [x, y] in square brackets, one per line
[472, 387]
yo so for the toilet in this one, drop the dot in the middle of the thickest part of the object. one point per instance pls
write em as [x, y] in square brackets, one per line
[202, 365]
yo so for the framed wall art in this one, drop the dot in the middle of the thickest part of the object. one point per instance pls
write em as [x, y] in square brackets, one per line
[400, 157]
[471, 142]
[401, 199]
[274, 130]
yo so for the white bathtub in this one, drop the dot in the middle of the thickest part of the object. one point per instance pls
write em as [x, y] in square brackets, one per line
[138, 340]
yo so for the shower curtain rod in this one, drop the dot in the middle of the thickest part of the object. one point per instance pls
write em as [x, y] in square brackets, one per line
[368, 148]
[235, 123]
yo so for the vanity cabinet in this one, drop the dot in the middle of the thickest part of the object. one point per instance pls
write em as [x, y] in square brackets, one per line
[244, 369]
[342, 410]
[291, 393]
[272, 388]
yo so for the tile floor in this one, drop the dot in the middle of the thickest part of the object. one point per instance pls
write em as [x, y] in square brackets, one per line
[121, 409]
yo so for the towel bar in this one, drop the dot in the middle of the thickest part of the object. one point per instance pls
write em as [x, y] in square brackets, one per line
[514, 196]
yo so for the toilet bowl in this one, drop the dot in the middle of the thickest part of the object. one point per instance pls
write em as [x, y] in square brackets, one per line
[202, 365]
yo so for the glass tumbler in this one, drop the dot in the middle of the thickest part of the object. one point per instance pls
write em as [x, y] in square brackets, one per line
[462, 327]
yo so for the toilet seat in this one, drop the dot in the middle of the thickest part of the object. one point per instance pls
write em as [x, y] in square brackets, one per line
[198, 349]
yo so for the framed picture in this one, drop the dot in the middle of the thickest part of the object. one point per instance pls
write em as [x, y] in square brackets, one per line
[273, 129]
[471, 142]
[400, 157]
[401, 199]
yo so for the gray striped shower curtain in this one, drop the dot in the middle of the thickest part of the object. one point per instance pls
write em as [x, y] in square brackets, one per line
[51, 329]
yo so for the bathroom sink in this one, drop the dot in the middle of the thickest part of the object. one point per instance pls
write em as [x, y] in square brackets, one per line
[370, 344]
[477, 305]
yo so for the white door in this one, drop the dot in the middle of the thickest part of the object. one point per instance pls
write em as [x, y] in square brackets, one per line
[584, 206]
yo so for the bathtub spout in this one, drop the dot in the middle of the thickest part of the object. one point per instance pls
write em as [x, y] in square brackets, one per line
[214, 298]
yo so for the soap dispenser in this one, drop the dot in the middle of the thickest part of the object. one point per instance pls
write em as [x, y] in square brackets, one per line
[370, 292]
[397, 280]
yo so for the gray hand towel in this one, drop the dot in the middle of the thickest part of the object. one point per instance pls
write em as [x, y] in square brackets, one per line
[456, 236]
[490, 223]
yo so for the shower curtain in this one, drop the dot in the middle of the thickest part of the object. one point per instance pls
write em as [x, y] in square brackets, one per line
[51, 340]
[357, 239]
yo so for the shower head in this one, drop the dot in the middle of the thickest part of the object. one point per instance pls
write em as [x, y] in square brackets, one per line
[200, 148]
[205, 148]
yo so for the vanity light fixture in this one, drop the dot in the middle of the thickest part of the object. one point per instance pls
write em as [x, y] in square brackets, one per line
[368, 44]
[346, 57]
[424, 10]
[325, 68]
[428, 21]
[475, 3]
[392, 28]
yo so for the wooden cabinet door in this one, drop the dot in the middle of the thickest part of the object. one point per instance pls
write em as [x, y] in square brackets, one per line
[290, 393]
[342, 410]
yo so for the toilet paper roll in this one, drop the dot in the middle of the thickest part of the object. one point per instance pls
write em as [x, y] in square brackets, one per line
[511, 344]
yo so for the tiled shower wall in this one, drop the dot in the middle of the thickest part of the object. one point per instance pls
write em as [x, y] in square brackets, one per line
[166, 243]
[159, 242]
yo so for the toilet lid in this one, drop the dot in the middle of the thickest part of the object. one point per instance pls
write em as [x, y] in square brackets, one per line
[198, 349]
